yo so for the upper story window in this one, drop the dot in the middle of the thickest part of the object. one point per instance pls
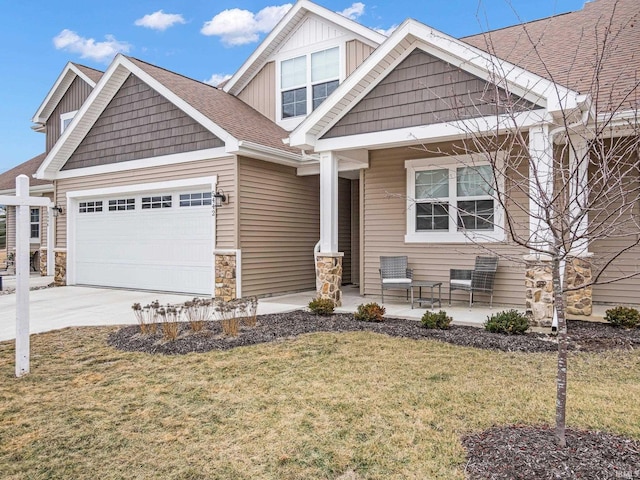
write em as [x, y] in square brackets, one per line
[65, 120]
[452, 200]
[307, 80]
[34, 223]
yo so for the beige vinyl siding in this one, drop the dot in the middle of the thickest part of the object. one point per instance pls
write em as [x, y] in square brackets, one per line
[11, 229]
[72, 100]
[356, 53]
[260, 93]
[344, 227]
[224, 168]
[384, 227]
[279, 221]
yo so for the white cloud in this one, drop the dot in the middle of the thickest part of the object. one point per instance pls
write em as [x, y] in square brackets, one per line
[159, 20]
[354, 11]
[386, 32]
[217, 78]
[239, 27]
[88, 47]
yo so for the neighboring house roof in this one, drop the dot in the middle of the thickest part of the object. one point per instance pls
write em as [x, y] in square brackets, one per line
[28, 168]
[243, 129]
[569, 50]
[288, 24]
[60, 87]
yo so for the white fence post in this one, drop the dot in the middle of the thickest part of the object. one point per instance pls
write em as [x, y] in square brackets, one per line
[23, 214]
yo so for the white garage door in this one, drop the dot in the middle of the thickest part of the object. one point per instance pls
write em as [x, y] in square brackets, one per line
[157, 241]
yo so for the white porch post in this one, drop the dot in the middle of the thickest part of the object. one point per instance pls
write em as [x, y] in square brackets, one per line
[329, 260]
[23, 214]
[578, 194]
[328, 202]
[51, 268]
[540, 184]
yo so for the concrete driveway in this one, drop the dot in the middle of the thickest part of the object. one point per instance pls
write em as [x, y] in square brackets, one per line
[61, 307]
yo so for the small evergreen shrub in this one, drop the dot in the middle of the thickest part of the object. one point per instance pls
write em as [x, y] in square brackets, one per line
[369, 312]
[511, 322]
[438, 320]
[322, 306]
[625, 317]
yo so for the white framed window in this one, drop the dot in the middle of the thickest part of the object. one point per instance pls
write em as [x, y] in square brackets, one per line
[65, 120]
[195, 199]
[452, 200]
[90, 207]
[307, 80]
[34, 224]
[122, 204]
[160, 201]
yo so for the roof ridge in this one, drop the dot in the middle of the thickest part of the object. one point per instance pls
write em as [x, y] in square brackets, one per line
[522, 24]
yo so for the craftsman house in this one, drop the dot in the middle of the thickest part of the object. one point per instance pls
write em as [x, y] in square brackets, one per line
[323, 139]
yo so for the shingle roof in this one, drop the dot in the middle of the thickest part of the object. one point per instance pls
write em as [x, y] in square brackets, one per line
[568, 49]
[28, 168]
[92, 73]
[227, 111]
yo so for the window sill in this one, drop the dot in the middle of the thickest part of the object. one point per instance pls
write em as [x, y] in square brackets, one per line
[456, 237]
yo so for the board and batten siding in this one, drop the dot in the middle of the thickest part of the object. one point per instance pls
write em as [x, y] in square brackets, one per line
[72, 100]
[139, 123]
[384, 227]
[356, 53]
[279, 224]
[260, 92]
[224, 168]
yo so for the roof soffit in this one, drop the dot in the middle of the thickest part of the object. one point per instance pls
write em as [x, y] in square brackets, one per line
[60, 87]
[409, 36]
[103, 93]
[282, 31]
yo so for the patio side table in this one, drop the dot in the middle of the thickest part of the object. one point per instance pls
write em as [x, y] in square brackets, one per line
[420, 299]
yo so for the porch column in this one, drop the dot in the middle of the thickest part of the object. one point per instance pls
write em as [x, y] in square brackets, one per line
[578, 271]
[538, 277]
[50, 261]
[328, 259]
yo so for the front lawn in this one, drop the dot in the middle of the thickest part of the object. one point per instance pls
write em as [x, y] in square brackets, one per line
[326, 405]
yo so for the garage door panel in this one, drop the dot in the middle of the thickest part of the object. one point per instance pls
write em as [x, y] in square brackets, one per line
[158, 249]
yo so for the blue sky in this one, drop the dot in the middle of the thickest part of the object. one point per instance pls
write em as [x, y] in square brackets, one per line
[205, 40]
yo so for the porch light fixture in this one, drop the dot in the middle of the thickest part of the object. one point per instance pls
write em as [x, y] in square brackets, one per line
[219, 198]
[57, 211]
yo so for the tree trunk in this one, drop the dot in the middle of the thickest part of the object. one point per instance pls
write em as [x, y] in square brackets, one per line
[561, 377]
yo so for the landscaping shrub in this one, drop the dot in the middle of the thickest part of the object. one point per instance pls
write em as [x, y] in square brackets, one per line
[511, 322]
[197, 312]
[147, 317]
[369, 312]
[625, 317]
[170, 317]
[249, 309]
[229, 320]
[438, 320]
[322, 306]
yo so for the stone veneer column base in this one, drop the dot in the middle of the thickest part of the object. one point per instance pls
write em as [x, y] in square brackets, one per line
[578, 272]
[539, 290]
[60, 278]
[225, 271]
[43, 262]
[329, 276]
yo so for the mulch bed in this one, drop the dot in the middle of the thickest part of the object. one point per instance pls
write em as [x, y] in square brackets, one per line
[511, 452]
[583, 336]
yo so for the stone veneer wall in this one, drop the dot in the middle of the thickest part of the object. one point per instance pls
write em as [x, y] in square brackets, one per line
[60, 278]
[225, 272]
[577, 273]
[539, 291]
[43, 262]
[329, 277]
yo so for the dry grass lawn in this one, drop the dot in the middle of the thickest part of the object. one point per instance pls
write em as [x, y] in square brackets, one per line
[349, 406]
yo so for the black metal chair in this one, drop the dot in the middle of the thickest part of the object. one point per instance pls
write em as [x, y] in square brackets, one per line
[480, 279]
[395, 275]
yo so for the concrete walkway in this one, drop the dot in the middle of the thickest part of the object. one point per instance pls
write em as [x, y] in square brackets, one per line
[61, 307]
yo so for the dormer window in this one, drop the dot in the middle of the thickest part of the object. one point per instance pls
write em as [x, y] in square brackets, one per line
[306, 81]
[65, 120]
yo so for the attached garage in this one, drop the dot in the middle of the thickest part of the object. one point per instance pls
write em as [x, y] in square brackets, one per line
[155, 239]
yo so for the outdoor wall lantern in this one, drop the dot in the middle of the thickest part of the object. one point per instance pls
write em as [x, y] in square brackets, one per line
[219, 198]
[57, 211]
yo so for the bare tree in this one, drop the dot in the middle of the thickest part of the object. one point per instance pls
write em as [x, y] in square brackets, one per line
[571, 182]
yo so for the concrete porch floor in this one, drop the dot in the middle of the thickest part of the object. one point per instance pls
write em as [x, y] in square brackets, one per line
[399, 307]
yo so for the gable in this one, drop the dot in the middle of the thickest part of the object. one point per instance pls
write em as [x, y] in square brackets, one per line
[425, 90]
[71, 101]
[311, 31]
[139, 123]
